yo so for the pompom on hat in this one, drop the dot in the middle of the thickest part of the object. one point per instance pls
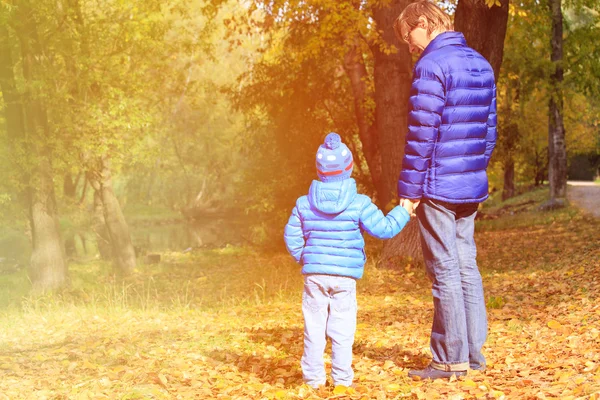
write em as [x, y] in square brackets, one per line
[334, 159]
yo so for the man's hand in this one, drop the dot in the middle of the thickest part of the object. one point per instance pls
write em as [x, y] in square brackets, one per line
[410, 205]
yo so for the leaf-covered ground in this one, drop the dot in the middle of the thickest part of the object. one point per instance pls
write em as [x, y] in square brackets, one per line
[227, 324]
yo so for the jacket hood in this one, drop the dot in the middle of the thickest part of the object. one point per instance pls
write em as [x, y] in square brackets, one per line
[332, 197]
[449, 38]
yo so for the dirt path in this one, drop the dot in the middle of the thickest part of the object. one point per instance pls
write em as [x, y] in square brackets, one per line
[585, 195]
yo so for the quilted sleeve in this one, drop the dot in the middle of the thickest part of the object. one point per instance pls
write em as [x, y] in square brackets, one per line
[427, 100]
[490, 139]
[376, 224]
[293, 235]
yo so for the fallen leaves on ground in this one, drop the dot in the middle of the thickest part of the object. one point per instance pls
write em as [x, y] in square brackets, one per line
[544, 336]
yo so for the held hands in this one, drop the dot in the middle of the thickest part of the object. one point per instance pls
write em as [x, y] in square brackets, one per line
[410, 205]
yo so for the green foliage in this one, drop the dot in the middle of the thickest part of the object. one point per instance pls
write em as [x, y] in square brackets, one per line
[582, 50]
[494, 302]
[139, 82]
[524, 92]
[296, 92]
[193, 158]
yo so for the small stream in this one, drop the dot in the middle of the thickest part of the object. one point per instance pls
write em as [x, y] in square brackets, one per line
[15, 246]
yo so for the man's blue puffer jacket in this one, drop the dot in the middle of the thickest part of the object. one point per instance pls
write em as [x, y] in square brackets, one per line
[451, 124]
[324, 232]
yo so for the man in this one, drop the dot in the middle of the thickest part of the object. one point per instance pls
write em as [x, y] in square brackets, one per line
[451, 136]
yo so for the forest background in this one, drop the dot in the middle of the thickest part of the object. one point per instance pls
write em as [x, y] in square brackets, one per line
[151, 152]
[206, 111]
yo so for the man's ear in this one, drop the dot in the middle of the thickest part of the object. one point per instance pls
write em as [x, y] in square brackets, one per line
[423, 22]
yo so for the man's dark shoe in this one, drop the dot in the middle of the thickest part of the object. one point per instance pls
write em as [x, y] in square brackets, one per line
[431, 373]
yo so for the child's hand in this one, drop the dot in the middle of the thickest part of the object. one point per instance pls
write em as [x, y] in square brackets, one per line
[410, 206]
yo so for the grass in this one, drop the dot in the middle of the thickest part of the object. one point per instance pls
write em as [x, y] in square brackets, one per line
[226, 323]
[521, 211]
[244, 276]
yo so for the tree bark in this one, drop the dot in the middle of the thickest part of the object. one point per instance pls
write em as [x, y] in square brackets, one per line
[392, 73]
[508, 190]
[484, 28]
[70, 185]
[511, 136]
[83, 190]
[48, 268]
[122, 251]
[356, 71]
[102, 237]
[557, 152]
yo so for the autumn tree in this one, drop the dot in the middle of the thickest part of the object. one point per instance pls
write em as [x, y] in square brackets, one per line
[90, 95]
[308, 45]
[525, 86]
[122, 58]
[557, 150]
[484, 25]
[31, 136]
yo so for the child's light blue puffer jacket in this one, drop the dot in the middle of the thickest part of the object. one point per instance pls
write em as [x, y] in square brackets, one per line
[324, 232]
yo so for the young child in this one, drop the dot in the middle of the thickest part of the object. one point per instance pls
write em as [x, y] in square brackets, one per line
[324, 235]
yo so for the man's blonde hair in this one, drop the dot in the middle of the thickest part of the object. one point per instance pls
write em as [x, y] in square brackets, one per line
[409, 18]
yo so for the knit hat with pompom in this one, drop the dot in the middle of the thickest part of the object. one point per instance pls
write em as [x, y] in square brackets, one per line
[334, 159]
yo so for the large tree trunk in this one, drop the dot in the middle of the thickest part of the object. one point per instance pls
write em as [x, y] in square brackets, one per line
[48, 269]
[484, 28]
[510, 134]
[70, 185]
[392, 72]
[357, 73]
[557, 152]
[100, 230]
[509, 178]
[122, 252]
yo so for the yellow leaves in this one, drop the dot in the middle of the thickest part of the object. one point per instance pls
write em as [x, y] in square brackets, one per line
[162, 380]
[557, 326]
[286, 373]
[492, 3]
[340, 389]
[590, 366]
[392, 387]
[543, 342]
[578, 271]
[468, 383]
